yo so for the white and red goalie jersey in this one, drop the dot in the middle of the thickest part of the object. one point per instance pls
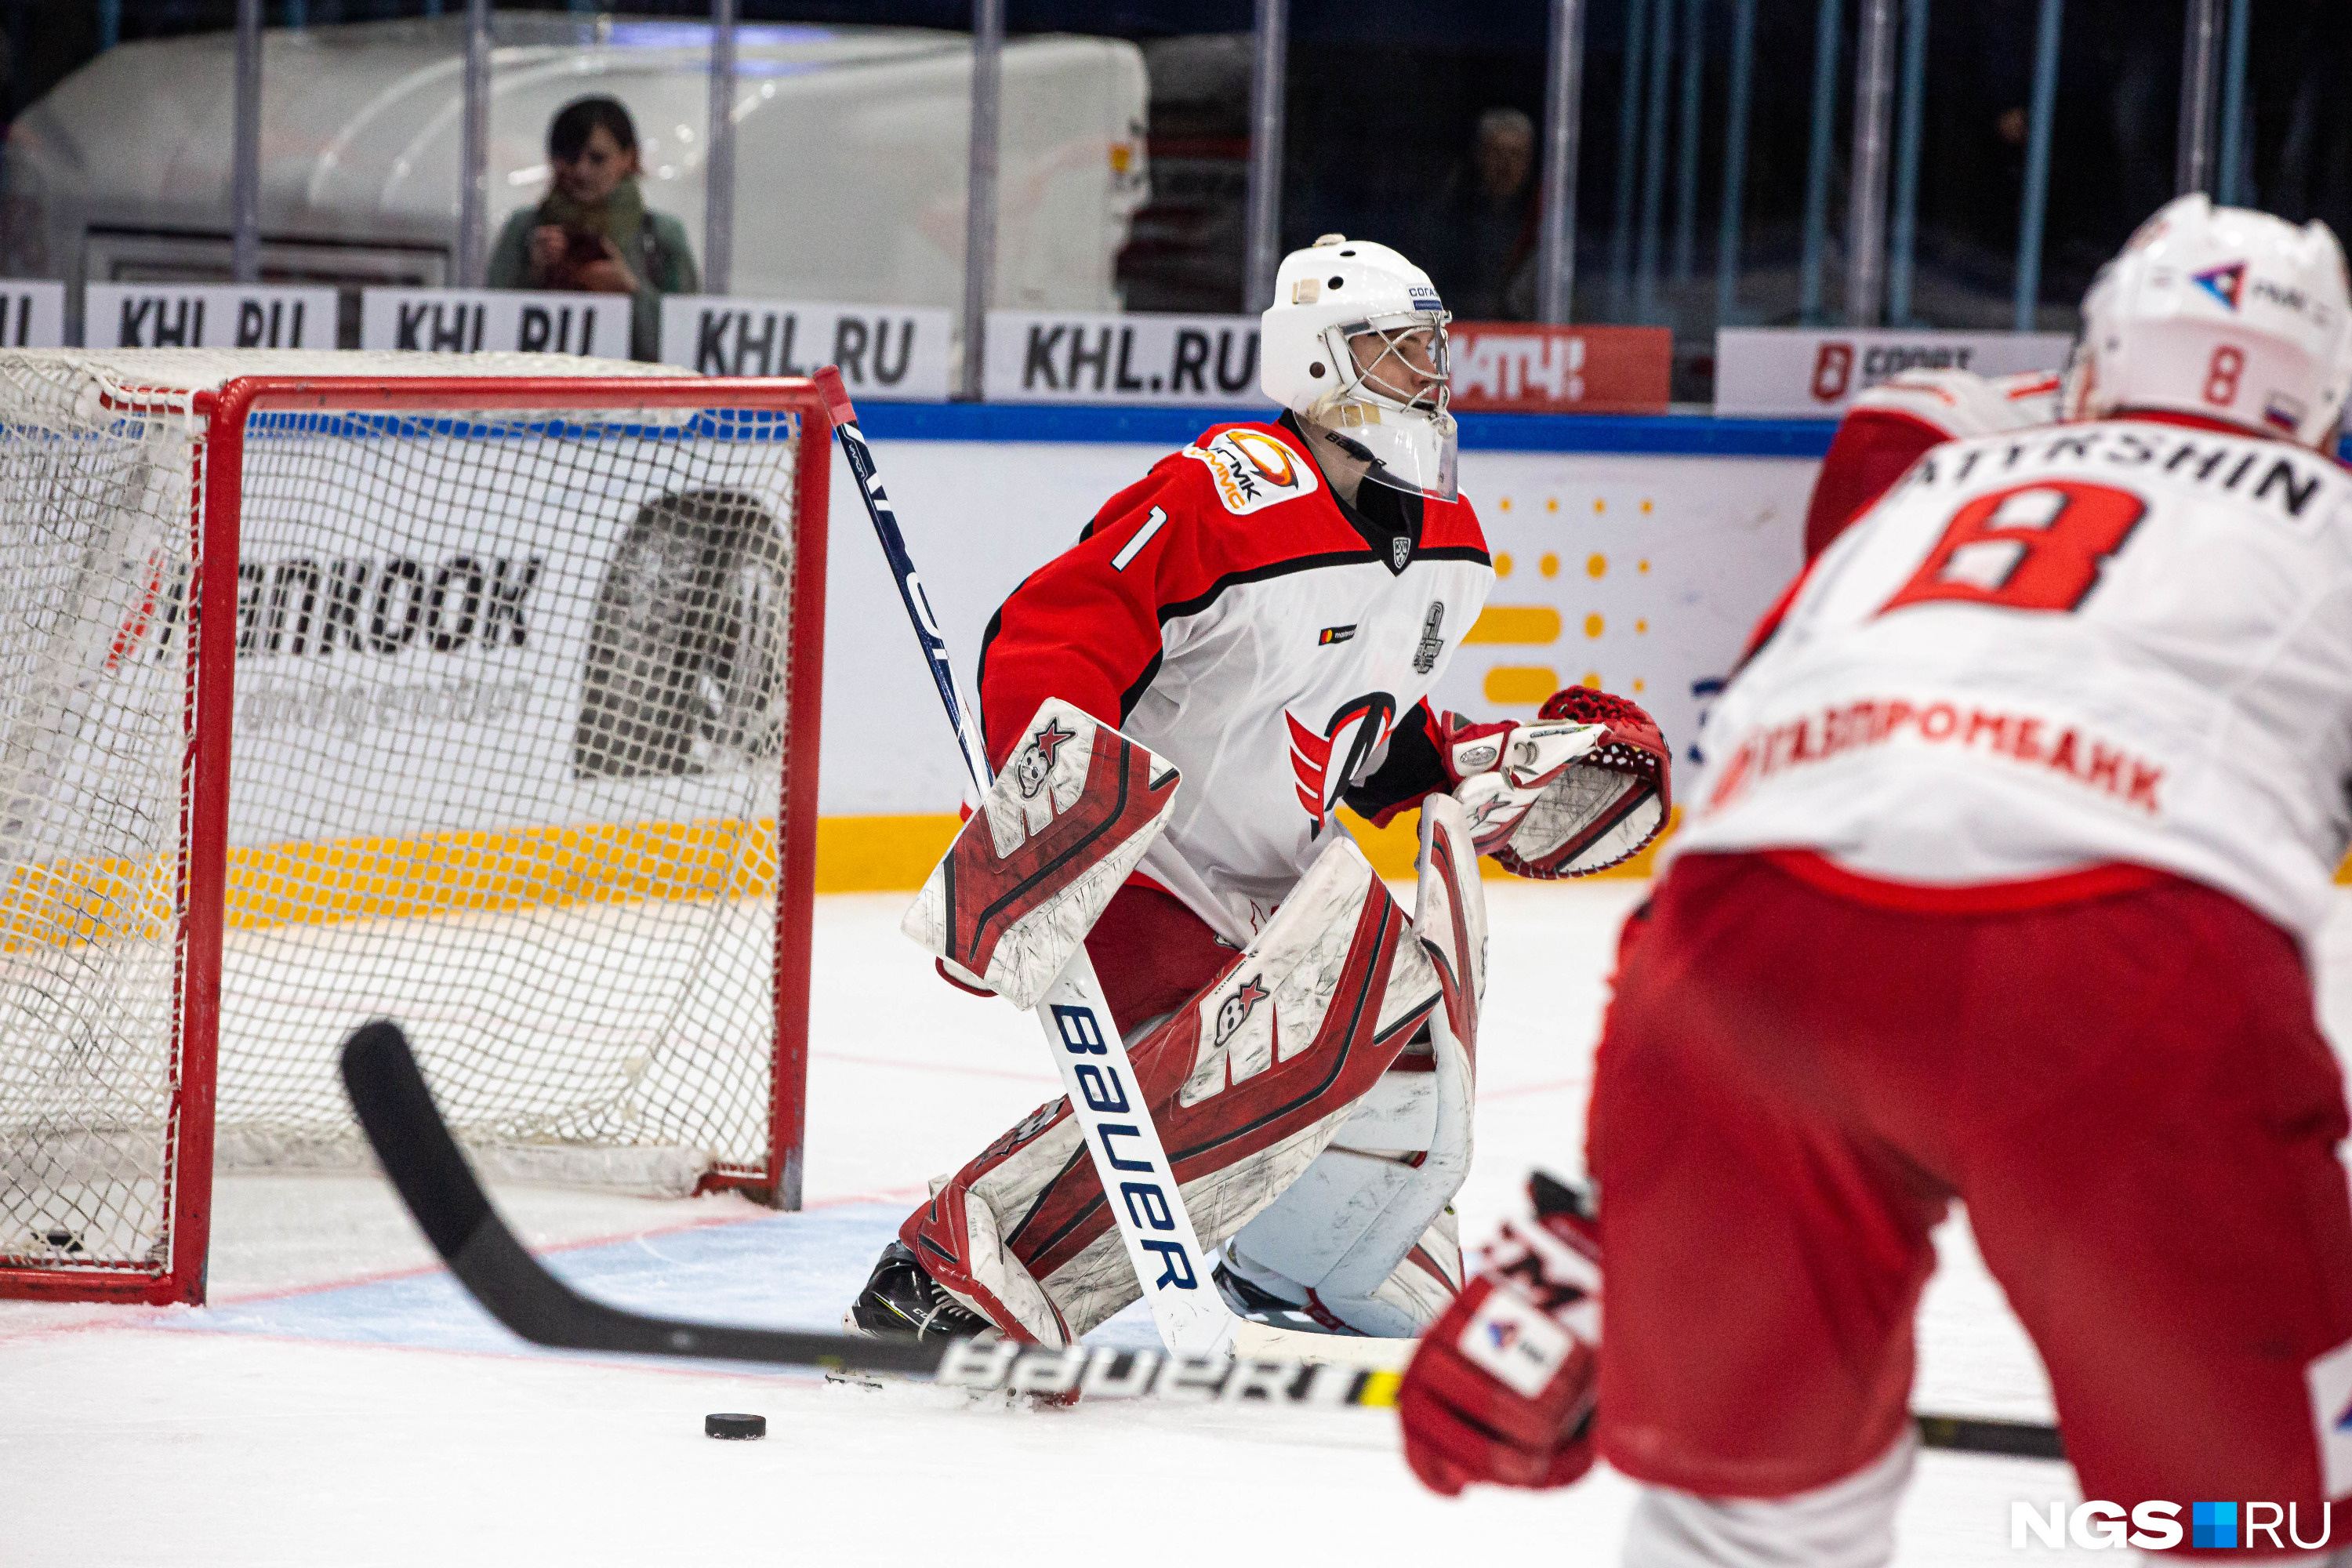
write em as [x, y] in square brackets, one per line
[2067, 651]
[1227, 613]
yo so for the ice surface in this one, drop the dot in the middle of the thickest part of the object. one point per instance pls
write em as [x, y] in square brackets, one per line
[341, 1402]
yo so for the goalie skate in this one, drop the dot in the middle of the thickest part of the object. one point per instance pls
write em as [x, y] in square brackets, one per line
[901, 1299]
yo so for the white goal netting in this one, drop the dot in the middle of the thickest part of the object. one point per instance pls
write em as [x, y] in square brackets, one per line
[508, 734]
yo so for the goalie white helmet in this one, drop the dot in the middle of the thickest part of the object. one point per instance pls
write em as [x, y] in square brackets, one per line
[1355, 341]
[2221, 312]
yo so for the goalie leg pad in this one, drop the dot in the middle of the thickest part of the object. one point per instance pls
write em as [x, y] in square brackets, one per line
[1346, 1229]
[1153, 955]
[1399, 1308]
[1423, 1285]
[1248, 1082]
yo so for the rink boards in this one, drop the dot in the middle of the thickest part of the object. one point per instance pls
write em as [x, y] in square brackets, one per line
[1632, 554]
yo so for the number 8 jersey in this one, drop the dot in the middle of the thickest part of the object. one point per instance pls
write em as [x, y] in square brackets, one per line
[2127, 641]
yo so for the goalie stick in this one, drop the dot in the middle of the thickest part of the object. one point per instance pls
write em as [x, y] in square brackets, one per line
[1169, 1264]
[405, 1128]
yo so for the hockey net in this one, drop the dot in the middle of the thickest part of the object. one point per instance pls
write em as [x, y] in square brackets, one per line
[479, 693]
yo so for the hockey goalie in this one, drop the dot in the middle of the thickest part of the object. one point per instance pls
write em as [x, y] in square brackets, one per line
[2014, 837]
[1264, 614]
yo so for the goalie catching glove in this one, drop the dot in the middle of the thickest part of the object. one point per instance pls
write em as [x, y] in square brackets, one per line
[1502, 1387]
[1581, 789]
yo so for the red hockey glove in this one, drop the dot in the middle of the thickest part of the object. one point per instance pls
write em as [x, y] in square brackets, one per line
[1583, 788]
[1502, 1387]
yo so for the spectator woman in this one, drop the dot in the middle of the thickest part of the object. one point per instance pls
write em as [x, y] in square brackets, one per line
[592, 232]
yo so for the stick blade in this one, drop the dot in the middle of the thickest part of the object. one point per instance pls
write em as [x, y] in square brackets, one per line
[443, 1195]
[395, 1107]
[404, 1127]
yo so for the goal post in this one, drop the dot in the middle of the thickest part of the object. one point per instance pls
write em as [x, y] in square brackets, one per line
[477, 691]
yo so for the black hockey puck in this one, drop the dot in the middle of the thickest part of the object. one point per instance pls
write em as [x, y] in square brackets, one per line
[732, 1426]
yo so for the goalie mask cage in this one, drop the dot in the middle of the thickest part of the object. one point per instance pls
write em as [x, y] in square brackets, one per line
[480, 692]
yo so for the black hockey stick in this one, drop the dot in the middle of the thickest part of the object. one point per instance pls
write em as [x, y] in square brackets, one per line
[405, 1128]
[1991, 1434]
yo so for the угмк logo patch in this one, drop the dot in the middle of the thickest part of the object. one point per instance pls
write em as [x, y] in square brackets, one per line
[1253, 470]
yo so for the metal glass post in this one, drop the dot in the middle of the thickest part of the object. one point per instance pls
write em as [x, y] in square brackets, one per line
[109, 23]
[1654, 160]
[980, 189]
[1629, 146]
[1873, 113]
[1735, 160]
[244, 168]
[1904, 238]
[718, 158]
[298, 14]
[1263, 232]
[1817, 163]
[474, 168]
[1687, 143]
[2037, 164]
[2200, 62]
[1563, 111]
[2231, 189]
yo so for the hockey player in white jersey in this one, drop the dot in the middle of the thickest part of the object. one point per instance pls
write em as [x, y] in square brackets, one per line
[2010, 843]
[1267, 610]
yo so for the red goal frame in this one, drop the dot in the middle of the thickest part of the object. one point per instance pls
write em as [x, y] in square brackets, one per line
[205, 770]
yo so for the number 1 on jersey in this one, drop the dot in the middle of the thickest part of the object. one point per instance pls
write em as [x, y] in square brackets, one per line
[2032, 547]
